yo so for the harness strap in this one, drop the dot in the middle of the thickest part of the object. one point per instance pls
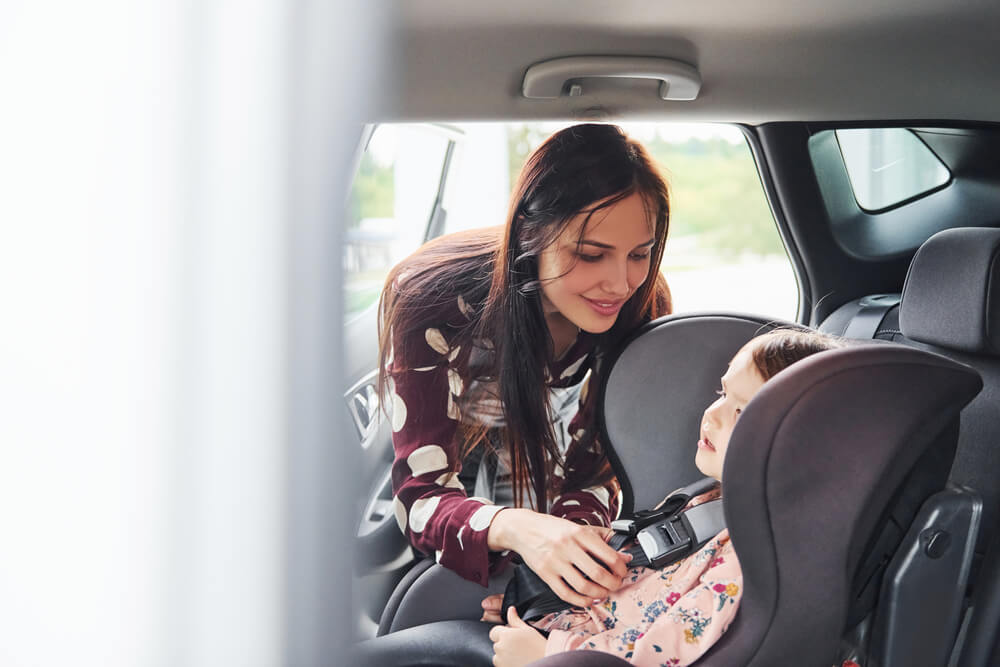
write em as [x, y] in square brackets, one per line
[662, 537]
[866, 321]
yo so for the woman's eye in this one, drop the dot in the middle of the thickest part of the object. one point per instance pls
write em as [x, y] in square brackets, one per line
[588, 258]
[640, 257]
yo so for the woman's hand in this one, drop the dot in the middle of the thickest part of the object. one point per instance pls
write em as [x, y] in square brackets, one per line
[516, 643]
[567, 556]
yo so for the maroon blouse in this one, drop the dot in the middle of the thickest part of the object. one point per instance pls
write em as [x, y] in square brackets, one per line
[432, 390]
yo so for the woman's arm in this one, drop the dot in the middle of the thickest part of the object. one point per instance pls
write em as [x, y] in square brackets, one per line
[431, 505]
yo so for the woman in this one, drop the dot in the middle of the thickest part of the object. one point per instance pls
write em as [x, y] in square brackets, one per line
[477, 328]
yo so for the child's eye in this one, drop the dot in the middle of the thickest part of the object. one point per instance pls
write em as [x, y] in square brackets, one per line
[720, 392]
[588, 258]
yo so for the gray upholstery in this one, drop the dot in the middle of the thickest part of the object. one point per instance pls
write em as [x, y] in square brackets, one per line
[437, 594]
[655, 393]
[817, 465]
[816, 459]
[952, 293]
[440, 644]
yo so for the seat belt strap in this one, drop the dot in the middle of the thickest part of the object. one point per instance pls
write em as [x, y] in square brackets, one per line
[864, 325]
[663, 539]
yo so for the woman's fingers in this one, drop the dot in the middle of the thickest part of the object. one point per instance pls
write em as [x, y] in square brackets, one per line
[585, 587]
[614, 561]
[567, 594]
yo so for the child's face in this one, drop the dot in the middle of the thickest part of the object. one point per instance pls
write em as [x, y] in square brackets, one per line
[739, 384]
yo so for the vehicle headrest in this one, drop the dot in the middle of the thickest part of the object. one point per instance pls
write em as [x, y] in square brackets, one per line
[951, 297]
[815, 461]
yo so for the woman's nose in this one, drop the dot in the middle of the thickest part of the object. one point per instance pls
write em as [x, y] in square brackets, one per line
[616, 279]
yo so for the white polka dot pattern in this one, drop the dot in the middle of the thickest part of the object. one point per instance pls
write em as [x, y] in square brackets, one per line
[398, 413]
[571, 503]
[421, 512]
[601, 494]
[449, 480]
[400, 511]
[436, 340]
[453, 412]
[481, 518]
[482, 500]
[464, 307]
[455, 384]
[429, 458]
[459, 535]
[573, 367]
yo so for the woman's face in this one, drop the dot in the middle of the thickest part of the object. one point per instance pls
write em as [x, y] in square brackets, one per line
[739, 384]
[587, 280]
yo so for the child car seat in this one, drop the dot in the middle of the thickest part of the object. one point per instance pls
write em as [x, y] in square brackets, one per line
[822, 453]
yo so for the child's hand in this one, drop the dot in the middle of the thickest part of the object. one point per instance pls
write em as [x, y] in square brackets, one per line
[516, 643]
[491, 608]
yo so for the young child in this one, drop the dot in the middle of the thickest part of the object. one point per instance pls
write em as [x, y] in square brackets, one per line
[669, 616]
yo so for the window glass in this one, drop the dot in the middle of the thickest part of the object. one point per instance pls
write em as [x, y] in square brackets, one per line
[724, 251]
[887, 166]
[390, 204]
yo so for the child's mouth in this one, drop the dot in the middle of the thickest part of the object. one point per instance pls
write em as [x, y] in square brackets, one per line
[705, 443]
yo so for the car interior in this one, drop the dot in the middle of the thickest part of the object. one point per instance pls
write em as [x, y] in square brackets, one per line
[874, 133]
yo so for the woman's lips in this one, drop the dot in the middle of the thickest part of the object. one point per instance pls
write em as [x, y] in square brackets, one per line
[605, 308]
[705, 443]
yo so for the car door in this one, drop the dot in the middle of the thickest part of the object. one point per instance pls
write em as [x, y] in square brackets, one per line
[395, 205]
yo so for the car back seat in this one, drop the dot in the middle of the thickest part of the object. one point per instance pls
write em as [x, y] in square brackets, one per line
[951, 305]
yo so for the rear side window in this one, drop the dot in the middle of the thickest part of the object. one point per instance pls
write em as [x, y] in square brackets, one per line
[390, 205]
[889, 166]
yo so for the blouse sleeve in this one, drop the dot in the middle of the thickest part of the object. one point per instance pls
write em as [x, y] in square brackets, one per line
[684, 629]
[430, 503]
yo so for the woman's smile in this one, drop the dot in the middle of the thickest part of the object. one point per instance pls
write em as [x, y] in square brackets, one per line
[605, 307]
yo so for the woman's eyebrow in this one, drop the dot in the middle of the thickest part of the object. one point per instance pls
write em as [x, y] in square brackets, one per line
[608, 246]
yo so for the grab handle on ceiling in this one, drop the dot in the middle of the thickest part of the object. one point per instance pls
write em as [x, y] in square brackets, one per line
[678, 81]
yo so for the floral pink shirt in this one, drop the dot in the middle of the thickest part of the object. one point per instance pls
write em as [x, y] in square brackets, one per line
[664, 617]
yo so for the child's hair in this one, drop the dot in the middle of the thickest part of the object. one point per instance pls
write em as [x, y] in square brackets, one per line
[777, 350]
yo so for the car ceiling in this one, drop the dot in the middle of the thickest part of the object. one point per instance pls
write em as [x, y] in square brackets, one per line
[811, 60]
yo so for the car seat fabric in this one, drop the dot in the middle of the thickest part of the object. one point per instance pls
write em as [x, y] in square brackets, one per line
[814, 467]
[951, 297]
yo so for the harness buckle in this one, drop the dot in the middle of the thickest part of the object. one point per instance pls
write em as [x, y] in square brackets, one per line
[662, 541]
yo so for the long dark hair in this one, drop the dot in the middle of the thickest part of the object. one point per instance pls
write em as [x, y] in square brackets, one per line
[581, 169]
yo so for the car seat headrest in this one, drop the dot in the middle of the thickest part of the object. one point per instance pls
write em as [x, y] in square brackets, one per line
[951, 297]
[815, 461]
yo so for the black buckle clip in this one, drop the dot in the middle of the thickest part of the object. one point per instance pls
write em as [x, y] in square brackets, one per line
[639, 521]
[661, 542]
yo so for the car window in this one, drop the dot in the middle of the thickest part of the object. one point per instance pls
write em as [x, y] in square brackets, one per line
[390, 205]
[724, 251]
[888, 166]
